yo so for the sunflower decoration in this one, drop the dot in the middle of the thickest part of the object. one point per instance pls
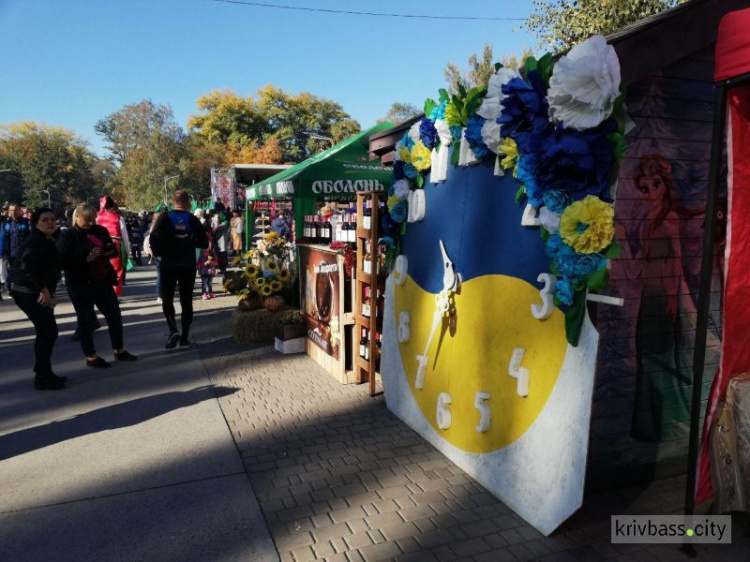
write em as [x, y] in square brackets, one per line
[259, 282]
[266, 290]
[251, 271]
[271, 265]
[284, 275]
[236, 261]
[276, 286]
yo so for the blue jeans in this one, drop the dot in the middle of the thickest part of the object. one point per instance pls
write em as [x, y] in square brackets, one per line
[207, 283]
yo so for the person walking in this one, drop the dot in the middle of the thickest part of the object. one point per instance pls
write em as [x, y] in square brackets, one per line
[85, 252]
[111, 218]
[207, 270]
[175, 237]
[36, 270]
[236, 225]
[15, 230]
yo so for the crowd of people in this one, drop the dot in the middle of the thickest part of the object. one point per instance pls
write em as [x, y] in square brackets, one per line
[92, 250]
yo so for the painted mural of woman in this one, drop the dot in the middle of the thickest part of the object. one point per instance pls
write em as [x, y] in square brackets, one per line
[654, 254]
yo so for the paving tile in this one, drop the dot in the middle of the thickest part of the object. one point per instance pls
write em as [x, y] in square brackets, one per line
[400, 531]
[343, 515]
[383, 520]
[358, 540]
[417, 512]
[469, 547]
[379, 552]
[331, 532]
[304, 554]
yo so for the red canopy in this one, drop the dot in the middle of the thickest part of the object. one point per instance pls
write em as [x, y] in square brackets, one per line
[733, 45]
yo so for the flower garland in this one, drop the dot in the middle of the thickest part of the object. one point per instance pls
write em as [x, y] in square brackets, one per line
[560, 129]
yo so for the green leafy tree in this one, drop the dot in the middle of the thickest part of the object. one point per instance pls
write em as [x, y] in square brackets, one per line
[481, 68]
[400, 112]
[561, 24]
[147, 144]
[271, 125]
[45, 163]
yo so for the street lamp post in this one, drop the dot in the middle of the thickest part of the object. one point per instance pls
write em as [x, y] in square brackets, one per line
[166, 179]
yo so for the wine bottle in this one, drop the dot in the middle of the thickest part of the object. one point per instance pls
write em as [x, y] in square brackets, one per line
[367, 215]
[366, 302]
[367, 264]
[363, 342]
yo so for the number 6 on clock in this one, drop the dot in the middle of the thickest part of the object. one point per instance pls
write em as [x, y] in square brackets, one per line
[443, 415]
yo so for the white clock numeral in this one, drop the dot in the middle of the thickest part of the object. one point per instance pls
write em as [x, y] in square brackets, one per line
[417, 205]
[400, 270]
[520, 373]
[548, 306]
[443, 415]
[404, 327]
[421, 369]
[480, 403]
[529, 217]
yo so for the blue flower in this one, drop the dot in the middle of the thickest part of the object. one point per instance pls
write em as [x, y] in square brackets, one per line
[524, 110]
[438, 112]
[526, 175]
[387, 241]
[410, 171]
[407, 141]
[398, 170]
[556, 201]
[456, 131]
[573, 266]
[428, 133]
[399, 212]
[388, 226]
[554, 245]
[474, 136]
[564, 292]
[574, 162]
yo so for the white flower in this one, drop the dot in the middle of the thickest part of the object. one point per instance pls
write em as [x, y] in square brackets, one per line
[414, 131]
[498, 80]
[396, 157]
[490, 108]
[549, 220]
[585, 84]
[443, 131]
[401, 189]
[491, 135]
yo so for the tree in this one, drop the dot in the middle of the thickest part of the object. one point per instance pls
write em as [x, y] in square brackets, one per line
[271, 126]
[561, 24]
[481, 68]
[400, 112]
[147, 144]
[515, 61]
[43, 158]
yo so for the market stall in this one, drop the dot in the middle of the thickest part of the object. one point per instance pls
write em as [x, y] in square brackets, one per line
[320, 195]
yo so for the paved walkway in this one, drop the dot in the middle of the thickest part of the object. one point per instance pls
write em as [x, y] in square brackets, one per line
[133, 463]
[163, 460]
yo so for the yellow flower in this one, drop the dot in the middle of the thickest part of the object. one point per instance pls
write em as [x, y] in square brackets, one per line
[393, 201]
[271, 236]
[236, 260]
[266, 290]
[271, 265]
[404, 154]
[421, 156]
[276, 286]
[509, 150]
[259, 282]
[251, 271]
[452, 115]
[283, 275]
[588, 225]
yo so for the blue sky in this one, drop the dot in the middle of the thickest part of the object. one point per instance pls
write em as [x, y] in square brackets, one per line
[73, 62]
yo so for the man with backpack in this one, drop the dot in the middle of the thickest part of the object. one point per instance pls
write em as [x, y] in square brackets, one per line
[175, 236]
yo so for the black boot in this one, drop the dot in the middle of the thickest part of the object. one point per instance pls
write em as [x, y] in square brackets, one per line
[49, 382]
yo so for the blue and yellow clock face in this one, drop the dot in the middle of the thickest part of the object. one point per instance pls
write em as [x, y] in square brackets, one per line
[471, 391]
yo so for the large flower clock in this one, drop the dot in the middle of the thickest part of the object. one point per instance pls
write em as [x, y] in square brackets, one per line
[482, 355]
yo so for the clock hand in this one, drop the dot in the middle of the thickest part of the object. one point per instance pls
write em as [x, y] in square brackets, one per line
[442, 305]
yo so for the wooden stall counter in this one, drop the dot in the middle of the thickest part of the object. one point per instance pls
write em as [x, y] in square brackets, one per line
[326, 302]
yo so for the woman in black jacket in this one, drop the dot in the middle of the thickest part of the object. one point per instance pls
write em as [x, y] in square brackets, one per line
[84, 250]
[36, 270]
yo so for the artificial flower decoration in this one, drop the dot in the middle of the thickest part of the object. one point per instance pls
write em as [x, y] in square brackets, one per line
[283, 275]
[399, 211]
[556, 201]
[509, 150]
[401, 189]
[276, 286]
[569, 264]
[393, 200]
[259, 282]
[271, 265]
[252, 271]
[443, 131]
[414, 132]
[438, 112]
[473, 135]
[585, 84]
[549, 220]
[266, 290]
[410, 171]
[588, 226]
[498, 80]
[564, 292]
[577, 163]
[524, 110]
[404, 154]
[491, 135]
[427, 133]
[452, 115]
[407, 141]
[421, 156]
[398, 169]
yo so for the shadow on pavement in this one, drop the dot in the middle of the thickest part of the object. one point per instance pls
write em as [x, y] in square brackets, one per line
[111, 417]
